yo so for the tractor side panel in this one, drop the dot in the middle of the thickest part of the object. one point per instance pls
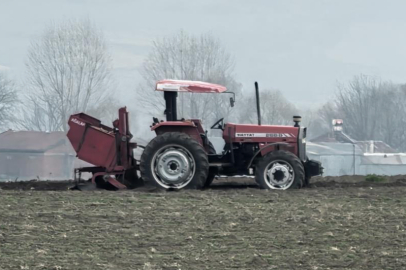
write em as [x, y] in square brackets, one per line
[291, 147]
[285, 136]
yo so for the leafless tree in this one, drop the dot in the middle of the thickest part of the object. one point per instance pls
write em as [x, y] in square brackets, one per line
[107, 110]
[360, 103]
[188, 57]
[391, 127]
[311, 120]
[275, 109]
[8, 100]
[371, 109]
[68, 71]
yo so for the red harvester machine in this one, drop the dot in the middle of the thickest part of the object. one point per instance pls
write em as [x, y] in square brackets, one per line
[109, 149]
[181, 155]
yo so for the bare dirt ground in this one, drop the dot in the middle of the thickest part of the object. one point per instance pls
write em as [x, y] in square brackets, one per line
[336, 223]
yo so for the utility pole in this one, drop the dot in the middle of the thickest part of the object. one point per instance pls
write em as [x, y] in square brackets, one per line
[182, 77]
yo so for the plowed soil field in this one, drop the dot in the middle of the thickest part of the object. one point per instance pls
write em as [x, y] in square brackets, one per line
[336, 223]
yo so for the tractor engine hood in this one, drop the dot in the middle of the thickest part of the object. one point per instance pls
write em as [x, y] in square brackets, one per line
[263, 133]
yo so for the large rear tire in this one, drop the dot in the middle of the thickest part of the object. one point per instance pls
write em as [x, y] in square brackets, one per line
[280, 170]
[174, 160]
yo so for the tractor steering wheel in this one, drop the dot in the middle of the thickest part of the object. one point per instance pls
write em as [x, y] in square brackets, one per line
[220, 126]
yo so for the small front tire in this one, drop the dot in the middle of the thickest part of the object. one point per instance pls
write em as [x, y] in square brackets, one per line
[280, 170]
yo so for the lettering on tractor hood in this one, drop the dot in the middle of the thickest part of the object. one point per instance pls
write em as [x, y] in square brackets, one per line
[265, 135]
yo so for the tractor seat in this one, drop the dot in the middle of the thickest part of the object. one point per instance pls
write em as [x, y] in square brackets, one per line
[218, 143]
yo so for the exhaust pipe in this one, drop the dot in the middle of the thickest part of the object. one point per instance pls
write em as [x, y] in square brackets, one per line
[258, 103]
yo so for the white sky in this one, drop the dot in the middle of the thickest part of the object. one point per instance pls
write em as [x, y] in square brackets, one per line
[301, 47]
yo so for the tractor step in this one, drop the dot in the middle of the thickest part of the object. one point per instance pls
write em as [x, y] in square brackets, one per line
[219, 164]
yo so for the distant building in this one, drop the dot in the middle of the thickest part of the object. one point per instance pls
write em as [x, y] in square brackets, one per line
[342, 155]
[27, 155]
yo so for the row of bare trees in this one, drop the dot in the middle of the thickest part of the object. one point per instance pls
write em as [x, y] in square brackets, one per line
[8, 100]
[275, 108]
[203, 58]
[188, 57]
[69, 71]
[372, 109]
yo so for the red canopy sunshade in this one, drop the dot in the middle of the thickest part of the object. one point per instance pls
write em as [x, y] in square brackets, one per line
[189, 86]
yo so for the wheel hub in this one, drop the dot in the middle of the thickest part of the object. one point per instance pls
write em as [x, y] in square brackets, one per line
[174, 166]
[279, 175]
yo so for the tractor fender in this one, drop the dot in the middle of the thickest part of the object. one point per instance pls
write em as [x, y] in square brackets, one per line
[264, 149]
[172, 124]
[187, 128]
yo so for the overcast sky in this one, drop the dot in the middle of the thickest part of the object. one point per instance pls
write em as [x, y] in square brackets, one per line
[301, 47]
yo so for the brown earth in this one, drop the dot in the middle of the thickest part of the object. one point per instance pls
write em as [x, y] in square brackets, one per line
[36, 185]
[336, 223]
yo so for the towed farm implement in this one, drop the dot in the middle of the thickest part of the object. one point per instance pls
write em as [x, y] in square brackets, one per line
[182, 156]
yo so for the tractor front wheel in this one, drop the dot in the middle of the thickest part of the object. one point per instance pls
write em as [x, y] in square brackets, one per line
[280, 170]
[174, 160]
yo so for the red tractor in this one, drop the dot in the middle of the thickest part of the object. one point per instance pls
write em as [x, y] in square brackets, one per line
[181, 155]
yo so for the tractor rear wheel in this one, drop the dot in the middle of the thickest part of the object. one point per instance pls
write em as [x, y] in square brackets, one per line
[174, 160]
[280, 170]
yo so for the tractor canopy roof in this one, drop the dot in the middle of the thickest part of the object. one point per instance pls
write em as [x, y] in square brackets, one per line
[189, 86]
